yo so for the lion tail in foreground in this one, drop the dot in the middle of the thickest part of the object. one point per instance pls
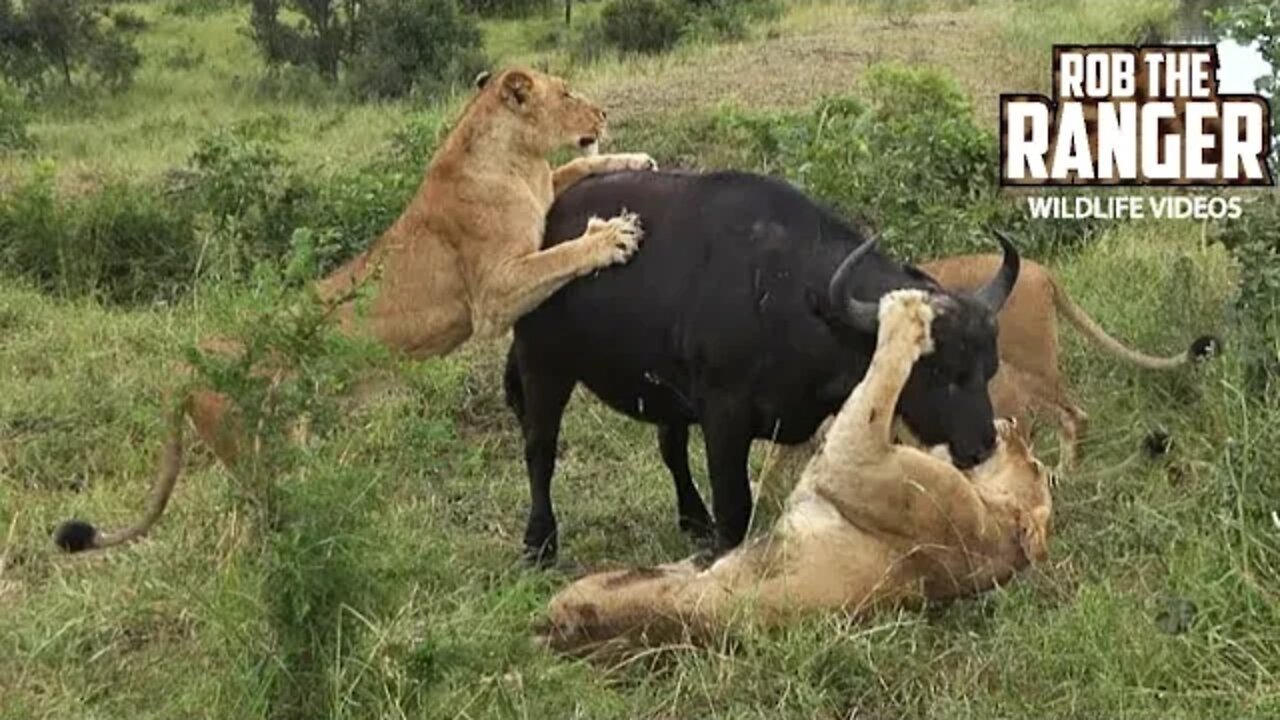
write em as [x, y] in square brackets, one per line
[1202, 348]
[78, 535]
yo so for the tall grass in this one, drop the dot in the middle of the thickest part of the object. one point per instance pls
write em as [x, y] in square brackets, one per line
[373, 571]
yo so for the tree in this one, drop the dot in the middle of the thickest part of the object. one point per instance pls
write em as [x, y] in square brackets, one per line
[47, 38]
[1257, 23]
[328, 31]
[389, 46]
[411, 44]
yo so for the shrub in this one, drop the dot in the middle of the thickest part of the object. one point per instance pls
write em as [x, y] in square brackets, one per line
[906, 156]
[413, 45]
[508, 8]
[46, 39]
[389, 47]
[198, 8]
[728, 20]
[250, 196]
[645, 26]
[113, 61]
[184, 58]
[128, 21]
[13, 122]
[1254, 241]
[122, 244]
[913, 161]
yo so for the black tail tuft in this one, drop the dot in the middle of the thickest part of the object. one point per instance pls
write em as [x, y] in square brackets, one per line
[1157, 443]
[75, 536]
[1205, 347]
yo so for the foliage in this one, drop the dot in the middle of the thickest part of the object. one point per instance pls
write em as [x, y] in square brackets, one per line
[1257, 23]
[123, 243]
[14, 117]
[509, 8]
[44, 39]
[311, 527]
[910, 159]
[413, 45]
[1254, 241]
[644, 26]
[198, 8]
[390, 47]
[247, 191]
[656, 26]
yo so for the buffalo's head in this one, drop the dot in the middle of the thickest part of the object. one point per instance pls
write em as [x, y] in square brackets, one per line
[945, 401]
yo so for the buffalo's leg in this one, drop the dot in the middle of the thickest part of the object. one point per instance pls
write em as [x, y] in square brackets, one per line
[726, 427]
[673, 441]
[545, 397]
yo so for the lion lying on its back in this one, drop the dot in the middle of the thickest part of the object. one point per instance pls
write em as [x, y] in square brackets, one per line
[870, 524]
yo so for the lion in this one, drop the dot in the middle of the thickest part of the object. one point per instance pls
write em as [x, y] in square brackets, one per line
[871, 524]
[1028, 382]
[463, 260]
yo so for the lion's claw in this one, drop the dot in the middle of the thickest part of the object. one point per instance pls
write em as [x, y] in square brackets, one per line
[618, 237]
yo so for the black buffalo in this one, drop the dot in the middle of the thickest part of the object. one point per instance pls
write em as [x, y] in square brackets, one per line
[749, 310]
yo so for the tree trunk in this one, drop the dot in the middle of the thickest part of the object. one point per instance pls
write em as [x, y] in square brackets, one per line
[568, 12]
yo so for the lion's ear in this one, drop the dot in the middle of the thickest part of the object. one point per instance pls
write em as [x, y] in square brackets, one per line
[516, 88]
[1033, 533]
[482, 79]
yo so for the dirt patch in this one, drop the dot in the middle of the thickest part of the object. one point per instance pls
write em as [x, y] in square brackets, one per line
[796, 70]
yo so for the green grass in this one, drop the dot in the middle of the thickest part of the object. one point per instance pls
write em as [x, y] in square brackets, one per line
[391, 586]
[409, 513]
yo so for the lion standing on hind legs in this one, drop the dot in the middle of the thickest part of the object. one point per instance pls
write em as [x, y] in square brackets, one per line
[464, 259]
[871, 524]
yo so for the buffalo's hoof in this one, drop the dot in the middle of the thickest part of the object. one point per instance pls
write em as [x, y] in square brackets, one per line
[541, 557]
[698, 528]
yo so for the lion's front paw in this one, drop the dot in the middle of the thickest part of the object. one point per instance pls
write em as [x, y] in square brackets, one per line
[907, 314]
[618, 238]
[627, 161]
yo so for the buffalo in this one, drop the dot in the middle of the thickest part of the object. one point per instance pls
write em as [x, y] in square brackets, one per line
[751, 311]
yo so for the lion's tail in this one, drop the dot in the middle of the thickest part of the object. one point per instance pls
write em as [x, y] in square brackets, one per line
[78, 535]
[1201, 348]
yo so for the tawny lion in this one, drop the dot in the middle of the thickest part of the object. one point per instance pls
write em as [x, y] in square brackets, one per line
[1029, 381]
[870, 524]
[464, 259]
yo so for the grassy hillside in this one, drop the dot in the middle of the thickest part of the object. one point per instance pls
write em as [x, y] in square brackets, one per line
[374, 572]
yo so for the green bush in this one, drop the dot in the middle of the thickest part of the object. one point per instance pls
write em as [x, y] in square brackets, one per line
[1254, 241]
[644, 26]
[385, 48]
[251, 197]
[53, 41]
[910, 159]
[509, 8]
[906, 155]
[198, 8]
[13, 122]
[254, 200]
[728, 20]
[113, 61]
[415, 45]
[123, 244]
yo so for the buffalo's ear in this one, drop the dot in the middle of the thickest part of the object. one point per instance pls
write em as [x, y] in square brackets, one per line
[482, 79]
[1033, 533]
[517, 86]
